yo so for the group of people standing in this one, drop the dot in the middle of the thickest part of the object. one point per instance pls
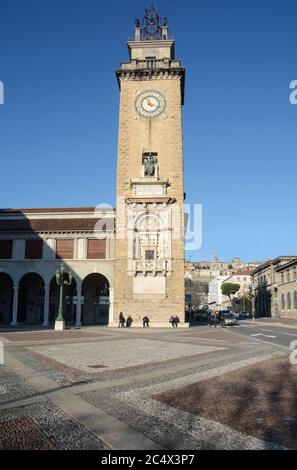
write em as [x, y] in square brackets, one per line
[174, 320]
[128, 323]
[123, 322]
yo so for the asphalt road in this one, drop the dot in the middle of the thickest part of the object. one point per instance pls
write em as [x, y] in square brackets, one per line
[278, 333]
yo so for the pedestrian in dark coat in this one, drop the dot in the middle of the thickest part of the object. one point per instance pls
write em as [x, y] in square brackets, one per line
[209, 318]
[216, 319]
[122, 321]
[171, 320]
[146, 321]
[176, 321]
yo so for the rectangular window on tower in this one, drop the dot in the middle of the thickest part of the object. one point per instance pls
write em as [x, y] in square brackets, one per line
[96, 249]
[150, 255]
[34, 249]
[151, 62]
[64, 249]
[5, 249]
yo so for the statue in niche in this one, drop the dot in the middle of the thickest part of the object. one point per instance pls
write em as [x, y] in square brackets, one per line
[149, 163]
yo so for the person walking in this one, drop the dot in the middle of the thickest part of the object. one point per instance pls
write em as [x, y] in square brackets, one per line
[176, 321]
[221, 320]
[171, 320]
[129, 321]
[210, 314]
[122, 321]
[216, 318]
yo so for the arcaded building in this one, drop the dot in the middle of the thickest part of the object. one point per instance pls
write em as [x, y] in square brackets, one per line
[130, 259]
[34, 243]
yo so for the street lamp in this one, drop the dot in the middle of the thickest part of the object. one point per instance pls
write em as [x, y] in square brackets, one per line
[63, 279]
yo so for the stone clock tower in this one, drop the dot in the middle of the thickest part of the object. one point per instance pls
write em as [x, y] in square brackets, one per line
[149, 257]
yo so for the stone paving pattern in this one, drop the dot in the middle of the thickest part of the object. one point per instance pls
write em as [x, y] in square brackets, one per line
[23, 434]
[12, 388]
[137, 352]
[259, 400]
[40, 426]
[153, 389]
[50, 335]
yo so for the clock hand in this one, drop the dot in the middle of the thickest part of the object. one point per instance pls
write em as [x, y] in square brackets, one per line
[150, 103]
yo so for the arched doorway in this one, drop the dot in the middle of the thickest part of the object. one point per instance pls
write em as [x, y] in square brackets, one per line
[69, 301]
[95, 291]
[6, 298]
[31, 299]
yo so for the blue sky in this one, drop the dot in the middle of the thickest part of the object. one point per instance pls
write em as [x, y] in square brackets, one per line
[58, 126]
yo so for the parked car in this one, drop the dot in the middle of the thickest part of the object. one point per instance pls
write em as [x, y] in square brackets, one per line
[222, 313]
[201, 315]
[245, 314]
[228, 318]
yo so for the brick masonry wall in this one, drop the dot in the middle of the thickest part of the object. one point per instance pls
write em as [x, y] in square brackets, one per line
[163, 135]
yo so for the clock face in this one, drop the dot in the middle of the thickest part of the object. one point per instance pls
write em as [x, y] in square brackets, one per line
[150, 104]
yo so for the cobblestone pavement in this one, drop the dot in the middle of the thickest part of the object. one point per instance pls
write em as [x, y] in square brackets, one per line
[104, 388]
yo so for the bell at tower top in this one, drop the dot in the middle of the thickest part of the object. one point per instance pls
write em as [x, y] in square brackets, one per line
[152, 26]
[151, 39]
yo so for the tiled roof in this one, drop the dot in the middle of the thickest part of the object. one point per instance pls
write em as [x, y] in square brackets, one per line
[50, 225]
[289, 264]
[48, 210]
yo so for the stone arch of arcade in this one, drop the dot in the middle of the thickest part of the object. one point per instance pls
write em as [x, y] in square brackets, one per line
[6, 298]
[31, 299]
[97, 300]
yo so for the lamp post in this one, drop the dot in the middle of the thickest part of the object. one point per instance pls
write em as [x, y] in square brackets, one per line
[63, 279]
[252, 298]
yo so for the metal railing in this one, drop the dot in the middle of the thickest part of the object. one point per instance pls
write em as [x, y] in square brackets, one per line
[150, 64]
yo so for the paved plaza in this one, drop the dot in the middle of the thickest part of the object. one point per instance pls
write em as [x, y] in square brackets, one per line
[125, 389]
